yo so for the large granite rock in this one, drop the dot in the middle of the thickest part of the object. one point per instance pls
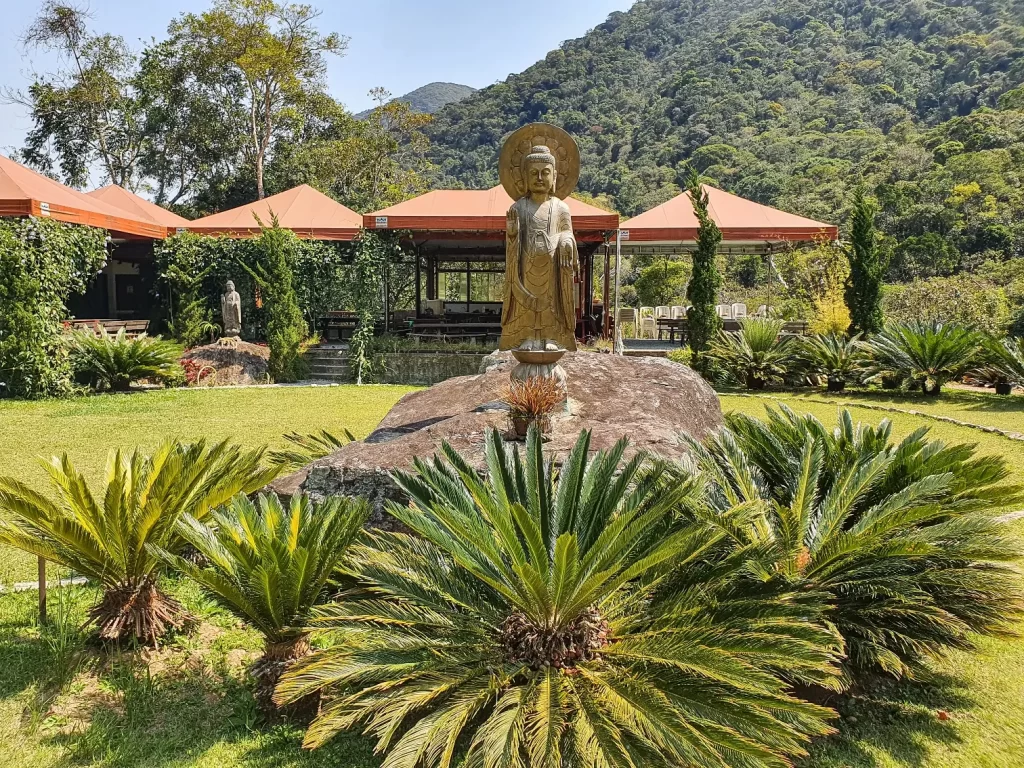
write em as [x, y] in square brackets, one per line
[648, 400]
[234, 362]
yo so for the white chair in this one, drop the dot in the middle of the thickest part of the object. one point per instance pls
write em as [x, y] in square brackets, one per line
[738, 311]
[648, 324]
[660, 312]
[432, 307]
[678, 313]
[762, 311]
[724, 311]
[628, 316]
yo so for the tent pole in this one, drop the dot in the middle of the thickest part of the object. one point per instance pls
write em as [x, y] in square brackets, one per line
[618, 285]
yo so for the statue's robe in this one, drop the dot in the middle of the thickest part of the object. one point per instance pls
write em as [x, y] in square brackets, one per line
[541, 261]
[231, 313]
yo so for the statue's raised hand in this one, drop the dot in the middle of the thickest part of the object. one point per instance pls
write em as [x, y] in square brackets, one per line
[512, 223]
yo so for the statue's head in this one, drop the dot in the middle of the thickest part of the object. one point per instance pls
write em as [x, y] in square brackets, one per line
[540, 171]
[230, 287]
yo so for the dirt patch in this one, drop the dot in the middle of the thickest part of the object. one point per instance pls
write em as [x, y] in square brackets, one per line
[232, 363]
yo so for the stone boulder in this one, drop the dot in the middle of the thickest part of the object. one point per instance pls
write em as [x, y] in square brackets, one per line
[234, 362]
[649, 400]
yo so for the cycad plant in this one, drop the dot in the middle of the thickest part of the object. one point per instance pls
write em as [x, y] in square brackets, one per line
[305, 449]
[756, 355]
[901, 536]
[835, 356]
[269, 566]
[114, 362]
[106, 536]
[1004, 362]
[513, 629]
[925, 355]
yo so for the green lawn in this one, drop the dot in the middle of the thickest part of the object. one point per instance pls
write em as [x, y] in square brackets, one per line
[187, 704]
[87, 429]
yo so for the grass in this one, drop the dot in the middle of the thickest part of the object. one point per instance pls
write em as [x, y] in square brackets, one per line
[88, 428]
[188, 703]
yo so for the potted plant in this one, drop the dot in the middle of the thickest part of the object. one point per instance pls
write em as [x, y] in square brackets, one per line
[1003, 364]
[532, 402]
[832, 356]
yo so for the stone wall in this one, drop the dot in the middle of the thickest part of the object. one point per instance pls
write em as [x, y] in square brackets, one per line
[418, 368]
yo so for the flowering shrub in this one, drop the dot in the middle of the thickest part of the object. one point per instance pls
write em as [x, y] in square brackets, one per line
[195, 373]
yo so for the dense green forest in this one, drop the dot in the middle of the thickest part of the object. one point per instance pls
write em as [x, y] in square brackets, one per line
[793, 104]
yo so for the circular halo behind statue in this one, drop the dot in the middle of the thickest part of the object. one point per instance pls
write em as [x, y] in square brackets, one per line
[518, 145]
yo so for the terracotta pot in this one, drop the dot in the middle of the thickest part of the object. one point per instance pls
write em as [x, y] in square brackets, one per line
[1004, 388]
[521, 424]
[836, 385]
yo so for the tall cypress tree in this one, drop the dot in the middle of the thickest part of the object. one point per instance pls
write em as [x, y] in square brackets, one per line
[286, 327]
[864, 285]
[702, 321]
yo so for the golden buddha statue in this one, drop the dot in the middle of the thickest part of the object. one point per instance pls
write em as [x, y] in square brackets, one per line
[541, 258]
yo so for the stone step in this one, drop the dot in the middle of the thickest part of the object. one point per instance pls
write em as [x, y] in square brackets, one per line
[328, 368]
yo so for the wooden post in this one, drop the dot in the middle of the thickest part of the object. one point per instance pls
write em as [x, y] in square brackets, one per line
[419, 295]
[42, 591]
[607, 293]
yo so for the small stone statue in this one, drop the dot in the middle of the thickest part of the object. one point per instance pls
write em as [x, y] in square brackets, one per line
[231, 311]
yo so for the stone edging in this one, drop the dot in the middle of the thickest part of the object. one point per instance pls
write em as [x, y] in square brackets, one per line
[1008, 434]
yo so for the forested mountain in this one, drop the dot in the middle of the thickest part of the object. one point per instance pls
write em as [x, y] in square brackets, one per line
[431, 98]
[790, 103]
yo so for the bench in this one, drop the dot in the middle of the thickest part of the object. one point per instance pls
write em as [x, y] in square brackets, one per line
[131, 328]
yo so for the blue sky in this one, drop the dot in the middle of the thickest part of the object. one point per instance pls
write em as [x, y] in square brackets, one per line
[397, 44]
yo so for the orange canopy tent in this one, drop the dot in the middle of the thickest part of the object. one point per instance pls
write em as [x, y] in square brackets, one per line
[742, 222]
[139, 207]
[308, 213]
[481, 212]
[23, 192]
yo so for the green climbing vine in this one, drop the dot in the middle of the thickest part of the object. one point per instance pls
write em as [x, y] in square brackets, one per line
[42, 263]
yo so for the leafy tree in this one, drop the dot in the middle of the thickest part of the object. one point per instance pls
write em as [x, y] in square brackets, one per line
[269, 566]
[107, 536]
[900, 537]
[88, 112]
[662, 283]
[864, 285]
[702, 321]
[514, 625]
[274, 49]
[966, 300]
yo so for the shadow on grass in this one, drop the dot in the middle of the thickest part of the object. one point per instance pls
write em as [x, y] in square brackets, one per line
[898, 719]
[139, 719]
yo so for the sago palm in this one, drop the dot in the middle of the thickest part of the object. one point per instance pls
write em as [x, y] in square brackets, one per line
[756, 355]
[305, 449]
[106, 536]
[1004, 359]
[114, 362]
[513, 629]
[835, 356]
[901, 536]
[269, 566]
[922, 354]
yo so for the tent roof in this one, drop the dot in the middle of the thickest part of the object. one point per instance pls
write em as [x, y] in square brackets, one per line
[307, 212]
[23, 192]
[475, 210]
[739, 219]
[138, 207]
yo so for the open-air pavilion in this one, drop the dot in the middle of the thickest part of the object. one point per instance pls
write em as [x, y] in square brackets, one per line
[671, 229]
[308, 213]
[459, 241]
[119, 293]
